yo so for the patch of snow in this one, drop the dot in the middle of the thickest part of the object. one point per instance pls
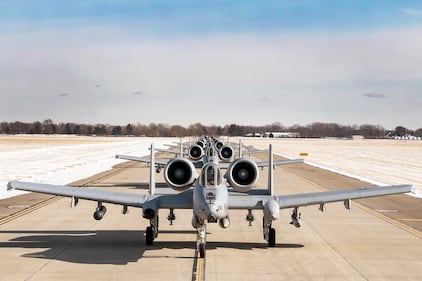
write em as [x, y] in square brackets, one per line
[65, 162]
[380, 162]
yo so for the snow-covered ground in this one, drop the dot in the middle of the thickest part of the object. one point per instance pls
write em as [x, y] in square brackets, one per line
[381, 162]
[63, 159]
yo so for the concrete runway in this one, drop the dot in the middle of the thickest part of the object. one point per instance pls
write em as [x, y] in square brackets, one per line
[58, 243]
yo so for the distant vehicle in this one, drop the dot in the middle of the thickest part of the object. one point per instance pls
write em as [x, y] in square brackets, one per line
[253, 135]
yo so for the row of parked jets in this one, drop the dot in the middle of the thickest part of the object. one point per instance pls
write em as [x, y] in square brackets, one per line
[196, 181]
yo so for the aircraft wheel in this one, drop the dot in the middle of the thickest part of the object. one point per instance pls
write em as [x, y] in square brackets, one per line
[149, 236]
[97, 216]
[202, 250]
[271, 237]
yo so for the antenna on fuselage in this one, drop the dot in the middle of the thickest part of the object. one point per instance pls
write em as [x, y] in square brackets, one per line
[270, 171]
[151, 171]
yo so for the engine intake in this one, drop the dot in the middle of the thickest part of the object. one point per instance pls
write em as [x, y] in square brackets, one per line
[196, 152]
[226, 153]
[219, 144]
[149, 213]
[180, 174]
[201, 143]
[242, 174]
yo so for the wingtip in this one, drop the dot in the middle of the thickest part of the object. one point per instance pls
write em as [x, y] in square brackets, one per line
[413, 189]
[9, 186]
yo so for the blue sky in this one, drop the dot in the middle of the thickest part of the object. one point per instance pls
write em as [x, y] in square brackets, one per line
[214, 62]
[207, 17]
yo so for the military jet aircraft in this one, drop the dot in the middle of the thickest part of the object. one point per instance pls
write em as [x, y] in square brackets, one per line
[196, 154]
[210, 199]
[195, 151]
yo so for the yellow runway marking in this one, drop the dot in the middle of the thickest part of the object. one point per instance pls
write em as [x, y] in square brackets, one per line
[30, 209]
[409, 219]
[389, 220]
[379, 215]
[198, 272]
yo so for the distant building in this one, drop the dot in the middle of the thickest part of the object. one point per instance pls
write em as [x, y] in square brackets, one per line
[253, 135]
[281, 135]
[407, 137]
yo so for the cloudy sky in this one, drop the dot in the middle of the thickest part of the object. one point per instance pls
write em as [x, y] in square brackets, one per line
[214, 62]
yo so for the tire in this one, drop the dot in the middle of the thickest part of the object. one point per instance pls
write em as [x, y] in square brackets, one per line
[271, 237]
[202, 250]
[149, 239]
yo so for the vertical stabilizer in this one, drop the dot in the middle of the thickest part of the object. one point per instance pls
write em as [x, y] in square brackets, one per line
[270, 171]
[151, 171]
[181, 148]
[240, 148]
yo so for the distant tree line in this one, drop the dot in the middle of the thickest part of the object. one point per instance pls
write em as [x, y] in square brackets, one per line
[314, 130]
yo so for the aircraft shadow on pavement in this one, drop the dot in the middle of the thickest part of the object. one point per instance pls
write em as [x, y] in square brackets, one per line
[117, 247]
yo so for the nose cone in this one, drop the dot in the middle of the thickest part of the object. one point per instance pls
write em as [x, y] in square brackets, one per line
[214, 212]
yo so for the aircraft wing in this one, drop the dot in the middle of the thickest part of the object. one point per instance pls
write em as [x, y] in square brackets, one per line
[167, 150]
[225, 165]
[159, 162]
[177, 146]
[179, 201]
[249, 152]
[244, 201]
[280, 162]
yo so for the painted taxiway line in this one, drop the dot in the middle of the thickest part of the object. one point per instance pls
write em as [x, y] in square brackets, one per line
[373, 212]
[390, 220]
[198, 270]
[109, 174]
[409, 220]
[32, 208]
[29, 210]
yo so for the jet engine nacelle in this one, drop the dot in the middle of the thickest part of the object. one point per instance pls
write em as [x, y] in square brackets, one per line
[219, 144]
[242, 174]
[226, 153]
[196, 152]
[180, 174]
[201, 143]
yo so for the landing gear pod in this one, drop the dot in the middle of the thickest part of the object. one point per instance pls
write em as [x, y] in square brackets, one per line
[99, 212]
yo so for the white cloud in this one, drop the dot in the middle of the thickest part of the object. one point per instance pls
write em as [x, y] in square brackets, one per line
[318, 71]
[410, 11]
[374, 95]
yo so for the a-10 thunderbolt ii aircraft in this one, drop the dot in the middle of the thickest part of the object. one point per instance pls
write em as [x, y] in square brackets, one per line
[196, 152]
[210, 199]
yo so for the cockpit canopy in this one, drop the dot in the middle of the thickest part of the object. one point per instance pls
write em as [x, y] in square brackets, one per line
[210, 175]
